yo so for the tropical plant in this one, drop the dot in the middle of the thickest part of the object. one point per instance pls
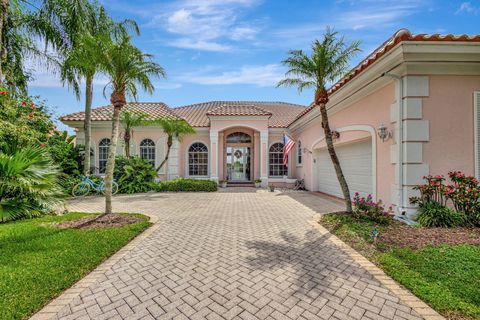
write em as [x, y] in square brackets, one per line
[129, 120]
[465, 195]
[366, 208]
[127, 68]
[328, 62]
[83, 60]
[174, 129]
[134, 175]
[28, 182]
[434, 214]
[433, 191]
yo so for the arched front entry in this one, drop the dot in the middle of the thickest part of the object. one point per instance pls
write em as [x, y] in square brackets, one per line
[239, 156]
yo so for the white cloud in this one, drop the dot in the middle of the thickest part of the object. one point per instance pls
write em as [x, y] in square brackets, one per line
[258, 75]
[205, 24]
[467, 7]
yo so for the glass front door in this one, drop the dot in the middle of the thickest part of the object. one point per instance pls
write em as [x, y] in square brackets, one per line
[238, 163]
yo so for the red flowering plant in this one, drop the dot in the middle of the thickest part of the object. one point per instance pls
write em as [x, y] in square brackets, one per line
[434, 190]
[365, 207]
[465, 194]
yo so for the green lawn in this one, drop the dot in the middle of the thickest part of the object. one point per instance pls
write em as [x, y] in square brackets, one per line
[446, 277]
[38, 261]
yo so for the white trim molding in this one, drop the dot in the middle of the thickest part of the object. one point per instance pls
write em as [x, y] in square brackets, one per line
[476, 131]
[209, 161]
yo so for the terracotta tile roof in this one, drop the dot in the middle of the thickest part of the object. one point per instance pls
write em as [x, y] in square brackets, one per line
[154, 109]
[402, 35]
[281, 113]
[238, 110]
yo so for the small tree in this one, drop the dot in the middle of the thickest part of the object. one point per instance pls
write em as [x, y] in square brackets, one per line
[174, 128]
[127, 67]
[328, 62]
[131, 119]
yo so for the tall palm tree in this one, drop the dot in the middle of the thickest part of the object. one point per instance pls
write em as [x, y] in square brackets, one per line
[328, 62]
[83, 59]
[127, 68]
[129, 120]
[174, 128]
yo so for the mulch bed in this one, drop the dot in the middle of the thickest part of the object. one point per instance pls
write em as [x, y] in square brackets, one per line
[399, 234]
[107, 221]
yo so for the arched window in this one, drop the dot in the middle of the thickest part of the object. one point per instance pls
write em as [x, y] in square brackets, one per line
[198, 160]
[103, 146]
[299, 152]
[239, 137]
[275, 158]
[147, 150]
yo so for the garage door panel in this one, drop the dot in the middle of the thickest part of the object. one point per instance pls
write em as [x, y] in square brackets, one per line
[356, 162]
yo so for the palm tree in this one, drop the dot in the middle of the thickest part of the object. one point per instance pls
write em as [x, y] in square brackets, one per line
[129, 120]
[83, 59]
[29, 182]
[127, 68]
[174, 128]
[328, 62]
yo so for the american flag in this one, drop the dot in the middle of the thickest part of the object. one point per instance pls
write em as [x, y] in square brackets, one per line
[288, 144]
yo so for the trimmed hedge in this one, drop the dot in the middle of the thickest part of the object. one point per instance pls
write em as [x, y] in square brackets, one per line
[179, 185]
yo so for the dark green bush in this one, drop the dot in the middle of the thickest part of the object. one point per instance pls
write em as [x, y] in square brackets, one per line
[178, 185]
[434, 214]
[134, 175]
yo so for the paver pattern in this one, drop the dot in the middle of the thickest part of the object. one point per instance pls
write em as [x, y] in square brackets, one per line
[233, 255]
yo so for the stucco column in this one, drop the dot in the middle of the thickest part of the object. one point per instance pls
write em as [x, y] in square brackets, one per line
[173, 161]
[214, 155]
[264, 157]
[221, 157]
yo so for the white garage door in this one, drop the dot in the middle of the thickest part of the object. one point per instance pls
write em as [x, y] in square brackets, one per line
[356, 162]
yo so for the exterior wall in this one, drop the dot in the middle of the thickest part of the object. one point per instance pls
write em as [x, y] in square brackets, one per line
[367, 113]
[450, 113]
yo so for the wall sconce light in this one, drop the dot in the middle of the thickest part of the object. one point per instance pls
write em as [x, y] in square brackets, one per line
[335, 135]
[305, 150]
[384, 133]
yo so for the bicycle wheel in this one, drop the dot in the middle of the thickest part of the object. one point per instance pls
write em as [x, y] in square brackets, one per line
[81, 190]
[114, 187]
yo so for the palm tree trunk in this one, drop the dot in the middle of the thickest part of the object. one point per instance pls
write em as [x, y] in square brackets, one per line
[87, 125]
[126, 140]
[322, 103]
[4, 4]
[169, 146]
[112, 150]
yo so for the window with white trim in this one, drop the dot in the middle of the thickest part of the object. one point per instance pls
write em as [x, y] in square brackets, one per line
[299, 152]
[103, 146]
[275, 161]
[147, 150]
[198, 160]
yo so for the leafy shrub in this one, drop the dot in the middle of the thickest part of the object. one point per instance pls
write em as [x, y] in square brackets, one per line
[366, 208]
[463, 193]
[134, 175]
[29, 183]
[178, 185]
[434, 214]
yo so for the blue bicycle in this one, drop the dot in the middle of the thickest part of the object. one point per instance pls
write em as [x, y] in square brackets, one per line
[85, 186]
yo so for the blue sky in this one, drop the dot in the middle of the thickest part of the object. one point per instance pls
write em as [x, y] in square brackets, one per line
[231, 49]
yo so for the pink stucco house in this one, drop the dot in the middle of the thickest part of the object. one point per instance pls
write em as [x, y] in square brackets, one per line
[421, 91]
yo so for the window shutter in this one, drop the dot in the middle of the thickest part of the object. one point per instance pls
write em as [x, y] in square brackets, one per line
[476, 108]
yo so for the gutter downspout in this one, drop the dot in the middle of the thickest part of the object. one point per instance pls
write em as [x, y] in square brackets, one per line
[399, 136]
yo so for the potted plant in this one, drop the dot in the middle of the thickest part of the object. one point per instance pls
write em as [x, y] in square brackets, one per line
[272, 188]
[258, 183]
[223, 183]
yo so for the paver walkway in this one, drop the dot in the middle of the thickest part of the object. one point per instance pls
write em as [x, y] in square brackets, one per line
[233, 255]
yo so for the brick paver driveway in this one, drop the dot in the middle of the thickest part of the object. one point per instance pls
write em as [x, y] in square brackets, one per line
[233, 255]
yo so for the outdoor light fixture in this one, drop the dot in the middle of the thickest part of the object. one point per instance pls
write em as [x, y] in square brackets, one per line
[335, 135]
[384, 133]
